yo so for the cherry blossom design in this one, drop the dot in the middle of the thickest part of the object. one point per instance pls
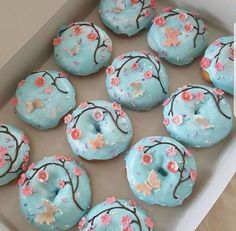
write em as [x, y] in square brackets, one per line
[43, 176]
[146, 159]
[3, 150]
[186, 96]
[205, 63]
[115, 81]
[61, 183]
[14, 101]
[171, 151]
[83, 104]
[188, 27]
[166, 121]
[199, 96]
[27, 191]
[193, 175]
[172, 166]
[39, 81]
[82, 223]
[2, 162]
[56, 41]
[21, 83]
[166, 102]
[219, 66]
[77, 171]
[177, 119]
[75, 133]
[68, 118]
[183, 16]
[149, 223]
[106, 219]
[126, 221]
[188, 152]
[98, 115]
[110, 70]
[48, 89]
[148, 74]
[159, 21]
[110, 200]
[116, 106]
[218, 91]
[22, 179]
[92, 36]
[140, 148]
[134, 1]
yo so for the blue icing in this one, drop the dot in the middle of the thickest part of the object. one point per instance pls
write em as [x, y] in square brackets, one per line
[112, 216]
[179, 41]
[125, 17]
[82, 48]
[44, 97]
[142, 80]
[14, 153]
[198, 116]
[160, 171]
[221, 69]
[65, 204]
[99, 130]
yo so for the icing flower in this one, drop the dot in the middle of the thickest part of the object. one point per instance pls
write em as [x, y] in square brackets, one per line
[135, 66]
[27, 191]
[146, 159]
[31, 166]
[171, 151]
[193, 175]
[134, 1]
[43, 176]
[77, 30]
[75, 133]
[56, 41]
[115, 81]
[199, 96]
[121, 113]
[133, 202]
[167, 9]
[149, 223]
[110, 200]
[205, 63]
[22, 179]
[82, 223]
[98, 115]
[186, 96]
[129, 228]
[159, 21]
[92, 36]
[166, 102]
[14, 101]
[126, 221]
[21, 83]
[146, 13]
[61, 183]
[188, 152]
[141, 148]
[2, 162]
[188, 27]
[116, 106]
[172, 166]
[24, 167]
[183, 16]
[219, 66]
[77, 171]
[110, 70]
[177, 119]
[3, 150]
[26, 157]
[83, 104]
[171, 37]
[25, 139]
[98, 142]
[39, 81]
[68, 118]
[165, 121]
[48, 89]
[218, 91]
[106, 219]
[148, 74]
[153, 4]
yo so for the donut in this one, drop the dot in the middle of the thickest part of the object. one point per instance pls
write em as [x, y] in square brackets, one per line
[82, 48]
[160, 171]
[127, 17]
[43, 98]
[54, 193]
[116, 214]
[198, 115]
[178, 36]
[137, 80]
[98, 130]
[218, 64]
[14, 153]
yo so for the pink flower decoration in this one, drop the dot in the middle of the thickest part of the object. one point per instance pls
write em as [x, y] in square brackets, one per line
[146, 13]
[77, 30]
[22, 179]
[59, 156]
[172, 166]
[68, 118]
[148, 74]
[25, 139]
[188, 152]
[21, 83]
[14, 101]
[183, 16]
[199, 96]
[31, 166]
[56, 41]
[75, 133]
[166, 121]
[166, 102]
[133, 202]
[61, 183]
[153, 4]
[167, 9]
[115, 81]
[177, 119]
[140, 148]
[2, 162]
[92, 36]
[110, 200]
[27, 191]
[82, 223]
[48, 89]
[135, 66]
[43, 176]
[149, 223]
[26, 157]
[216, 43]
[129, 228]
[205, 63]
[159, 21]
[3, 150]
[39, 81]
[146, 159]
[24, 167]
[121, 113]
[188, 27]
[106, 219]
[77, 171]
[186, 96]
[193, 175]
[219, 66]
[110, 70]
[98, 115]
[125, 221]
[218, 91]
[83, 104]
[134, 1]
[116, 106]
[171, 151]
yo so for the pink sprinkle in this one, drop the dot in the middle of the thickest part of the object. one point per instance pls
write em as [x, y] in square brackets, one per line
[153, 4]
[25, 139]
[146, 13]
[183, 16]
[140, 148]
[106, 219]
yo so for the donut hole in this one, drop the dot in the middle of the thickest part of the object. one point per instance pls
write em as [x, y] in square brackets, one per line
[97, 128]
[162, 171]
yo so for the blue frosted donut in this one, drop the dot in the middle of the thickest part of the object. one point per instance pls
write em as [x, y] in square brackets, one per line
[14, 153]
[98, 130]
[116, 214]
[43, 98]
[160, 171]
[197, 115]
[178, 36]
[54, 193]
[82, 48]
[137, 80]
[218, 64]
[127, 16]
